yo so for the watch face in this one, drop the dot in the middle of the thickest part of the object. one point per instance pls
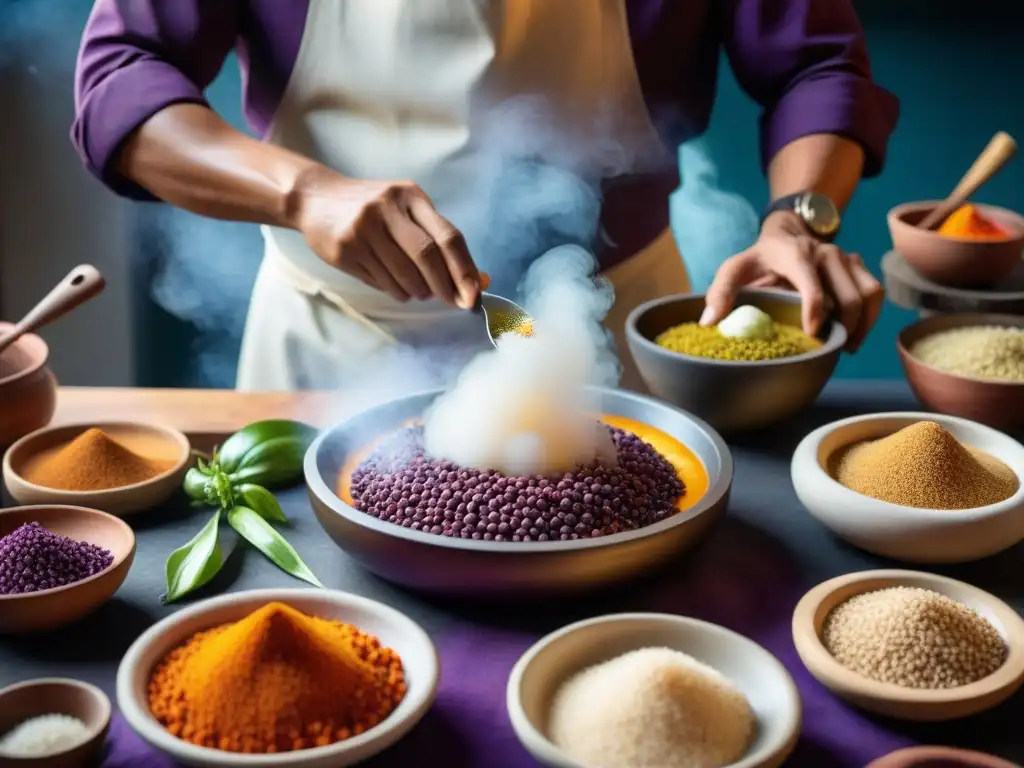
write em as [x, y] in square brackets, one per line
[820, 213]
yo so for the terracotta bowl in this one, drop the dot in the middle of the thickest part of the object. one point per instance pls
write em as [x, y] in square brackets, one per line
[28, 390]
[939, 757]
[395, 630]
[893, 700]
[952, 261]
[51, 608]
[540, 672]
[999, 404]
[150, 440]
[731, 395]
[56, 696]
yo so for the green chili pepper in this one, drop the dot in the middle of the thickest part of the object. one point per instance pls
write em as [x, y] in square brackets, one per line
[246, 448]
[191, 566]
[261, 501]
[261, 535]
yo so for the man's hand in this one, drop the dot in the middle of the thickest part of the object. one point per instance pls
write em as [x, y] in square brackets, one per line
[387, 234]
[785, 255]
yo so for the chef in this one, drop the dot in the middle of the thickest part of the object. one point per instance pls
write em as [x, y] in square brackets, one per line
[374, 118]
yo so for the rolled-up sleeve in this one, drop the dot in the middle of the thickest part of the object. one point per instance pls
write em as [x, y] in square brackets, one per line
[136, 58]
[806, 63]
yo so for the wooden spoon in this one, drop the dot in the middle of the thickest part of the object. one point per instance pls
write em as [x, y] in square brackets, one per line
[82, 283]
[997, 154]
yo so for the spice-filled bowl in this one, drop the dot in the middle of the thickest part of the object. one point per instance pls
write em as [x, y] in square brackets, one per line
[851, 633]
[318, 689]
[939, 757]
[120, 467]
[963, 261]
[969, 365]
[733, 394]
[58, 564]
[28, 389]
[916, 466]
[52, 722]
[458, 552]
[611, 691]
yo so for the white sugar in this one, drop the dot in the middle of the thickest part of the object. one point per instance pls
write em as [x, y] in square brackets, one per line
[43, 735]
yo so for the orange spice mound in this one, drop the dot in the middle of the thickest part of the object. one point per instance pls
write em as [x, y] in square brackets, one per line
[968, 222]
[276, 681]
[93, 461]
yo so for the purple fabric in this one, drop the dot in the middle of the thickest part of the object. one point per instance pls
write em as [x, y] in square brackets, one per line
[745, 581]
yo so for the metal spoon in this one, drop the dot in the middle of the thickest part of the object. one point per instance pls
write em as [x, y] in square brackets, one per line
[82, 283]
[503, 316]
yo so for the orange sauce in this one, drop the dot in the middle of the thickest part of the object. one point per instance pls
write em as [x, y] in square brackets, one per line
[686, 463]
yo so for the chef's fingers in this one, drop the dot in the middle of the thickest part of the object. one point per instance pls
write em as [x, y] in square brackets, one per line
[768, 281]
[422, 250]
[401, 268]
[797, 264]
[370, 260]
[735, 272]
[835, 270]
[453, 247]
[872, 294]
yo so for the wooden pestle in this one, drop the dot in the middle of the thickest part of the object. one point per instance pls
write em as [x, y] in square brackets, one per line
[82, 283]
[995, 155]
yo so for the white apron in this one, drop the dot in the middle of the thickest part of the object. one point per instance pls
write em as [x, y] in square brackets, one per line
[401, 89]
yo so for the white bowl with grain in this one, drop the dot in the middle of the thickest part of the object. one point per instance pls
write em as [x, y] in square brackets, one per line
[910, 534]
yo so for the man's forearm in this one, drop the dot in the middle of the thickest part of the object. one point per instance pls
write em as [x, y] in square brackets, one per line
[189, 157]
[825, 163]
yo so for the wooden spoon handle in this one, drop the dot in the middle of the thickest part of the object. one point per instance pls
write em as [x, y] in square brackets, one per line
[82, 283]
[998, 152]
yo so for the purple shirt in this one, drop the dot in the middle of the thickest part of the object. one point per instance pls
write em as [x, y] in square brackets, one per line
[804, 61]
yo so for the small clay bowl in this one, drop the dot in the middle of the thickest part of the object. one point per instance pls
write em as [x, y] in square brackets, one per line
[28, 390]
[152, 441]
[56, 696]
[939, 757]
[52, 608]
[731, 395]
[893, 700]
[910, 534]
[541, 671]
[999, 404]
[394, 629]
[953, 261]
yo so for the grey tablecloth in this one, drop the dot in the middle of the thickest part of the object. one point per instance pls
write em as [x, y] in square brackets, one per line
[748, 576]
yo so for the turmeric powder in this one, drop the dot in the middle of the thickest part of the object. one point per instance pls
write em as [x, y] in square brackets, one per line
[276, 681]
[968, 222]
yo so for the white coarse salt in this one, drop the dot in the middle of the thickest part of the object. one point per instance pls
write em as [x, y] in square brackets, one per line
[43, 735]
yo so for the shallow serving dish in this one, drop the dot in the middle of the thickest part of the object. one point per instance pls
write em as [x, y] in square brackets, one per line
[731, 395]
[551, 661]
[51, 608]
[394, 629]
[28, 389]
[893, 700]
[907, 533]
[56, 696]
[999, 404]
[956, 261]
[939, 757]
[439, 564]
[150, 440]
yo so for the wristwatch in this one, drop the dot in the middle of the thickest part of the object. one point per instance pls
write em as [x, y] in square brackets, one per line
[819, 214]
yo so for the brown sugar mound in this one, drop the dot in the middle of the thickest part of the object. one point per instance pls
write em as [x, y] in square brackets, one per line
[924, 466]
[93, 461]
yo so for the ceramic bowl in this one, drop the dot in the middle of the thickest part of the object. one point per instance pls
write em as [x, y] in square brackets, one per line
[28, 390]
[999, 404]
[910, 534]
[150, 440]
[954, 261]
[893, 700]
[52, 608]
[939, 757]
[731, 395]
[550, 662]
[504, 569]
[60, 696]
[394, 629]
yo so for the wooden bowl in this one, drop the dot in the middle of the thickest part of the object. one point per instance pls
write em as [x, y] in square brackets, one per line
[999, 404]
[28, 390]
[51, 608]
[540, 672]
[56, 696]
[939, 757]
[954, 261]
[150, 440]
[893, 700]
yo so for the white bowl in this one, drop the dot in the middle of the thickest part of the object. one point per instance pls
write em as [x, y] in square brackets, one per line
[904, 533]
[394, 629]
[551, 661]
